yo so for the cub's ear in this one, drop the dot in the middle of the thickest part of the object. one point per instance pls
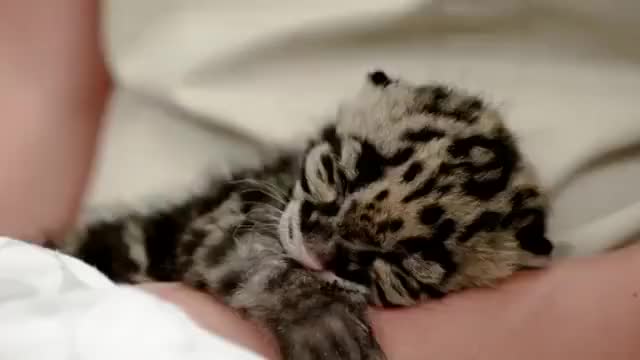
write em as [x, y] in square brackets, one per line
[379, 78]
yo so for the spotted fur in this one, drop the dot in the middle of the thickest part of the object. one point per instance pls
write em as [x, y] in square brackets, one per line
[413, 192]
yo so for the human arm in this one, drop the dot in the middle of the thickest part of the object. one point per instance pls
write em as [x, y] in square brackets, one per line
[577, 309]
[53, 89]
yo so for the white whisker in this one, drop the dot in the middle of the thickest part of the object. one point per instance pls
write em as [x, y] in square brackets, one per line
[265, 188]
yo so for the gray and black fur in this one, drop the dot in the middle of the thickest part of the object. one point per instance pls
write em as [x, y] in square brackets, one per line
[414, 192]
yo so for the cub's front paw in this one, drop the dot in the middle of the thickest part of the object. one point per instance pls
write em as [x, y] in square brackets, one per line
[332, 333]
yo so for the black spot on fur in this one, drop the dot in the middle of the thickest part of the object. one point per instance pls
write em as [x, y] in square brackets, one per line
[366, 218]
[395, 225]
[485, 222]
[200, 284]
[444, 230]
[519, 216]
[475, 105]
[430, 214]
[431, 249]
[328, 209]
[439, 94]
[413, 244]
[352, 265]
[361, 275]
[230, 281]
[438, 252]
[383, 227]
[162, 232]
[327, 164]
[382, 195]
[364, 258]
[401, 157]
[414, 170]
[369, 166]
[464, 111]
[379, 78]
[445, 189]
[467, 110]
[446, 168]
[422, 191]
[532, 236]
[538, 246]
[436, 102]
[521, 196]
[504, 161]
[423, 135]
[432, 292]
[457, 150]
[371, 206]
[106, 250]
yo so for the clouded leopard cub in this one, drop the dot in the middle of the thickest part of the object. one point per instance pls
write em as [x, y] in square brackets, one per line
[414, 192]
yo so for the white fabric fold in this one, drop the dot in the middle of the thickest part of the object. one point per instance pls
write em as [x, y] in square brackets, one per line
[57, 308]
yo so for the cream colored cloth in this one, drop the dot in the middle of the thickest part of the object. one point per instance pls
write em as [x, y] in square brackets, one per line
[207, 86]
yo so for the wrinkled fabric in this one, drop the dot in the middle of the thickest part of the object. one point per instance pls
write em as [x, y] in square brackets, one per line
[58, 308]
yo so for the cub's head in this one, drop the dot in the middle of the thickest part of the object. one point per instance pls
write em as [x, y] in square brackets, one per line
[415, 191]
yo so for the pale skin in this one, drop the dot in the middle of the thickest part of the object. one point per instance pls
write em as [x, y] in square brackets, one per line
[54, 87]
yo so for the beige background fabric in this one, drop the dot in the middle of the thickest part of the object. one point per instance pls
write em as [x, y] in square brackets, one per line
[208, 86]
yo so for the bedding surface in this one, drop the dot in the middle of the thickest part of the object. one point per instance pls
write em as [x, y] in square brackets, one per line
[56, 307]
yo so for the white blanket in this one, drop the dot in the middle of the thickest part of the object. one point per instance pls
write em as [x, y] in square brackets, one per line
[57, 308]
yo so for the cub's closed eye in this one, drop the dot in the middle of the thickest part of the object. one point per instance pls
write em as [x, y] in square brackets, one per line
[322, 177]
[333, 174]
